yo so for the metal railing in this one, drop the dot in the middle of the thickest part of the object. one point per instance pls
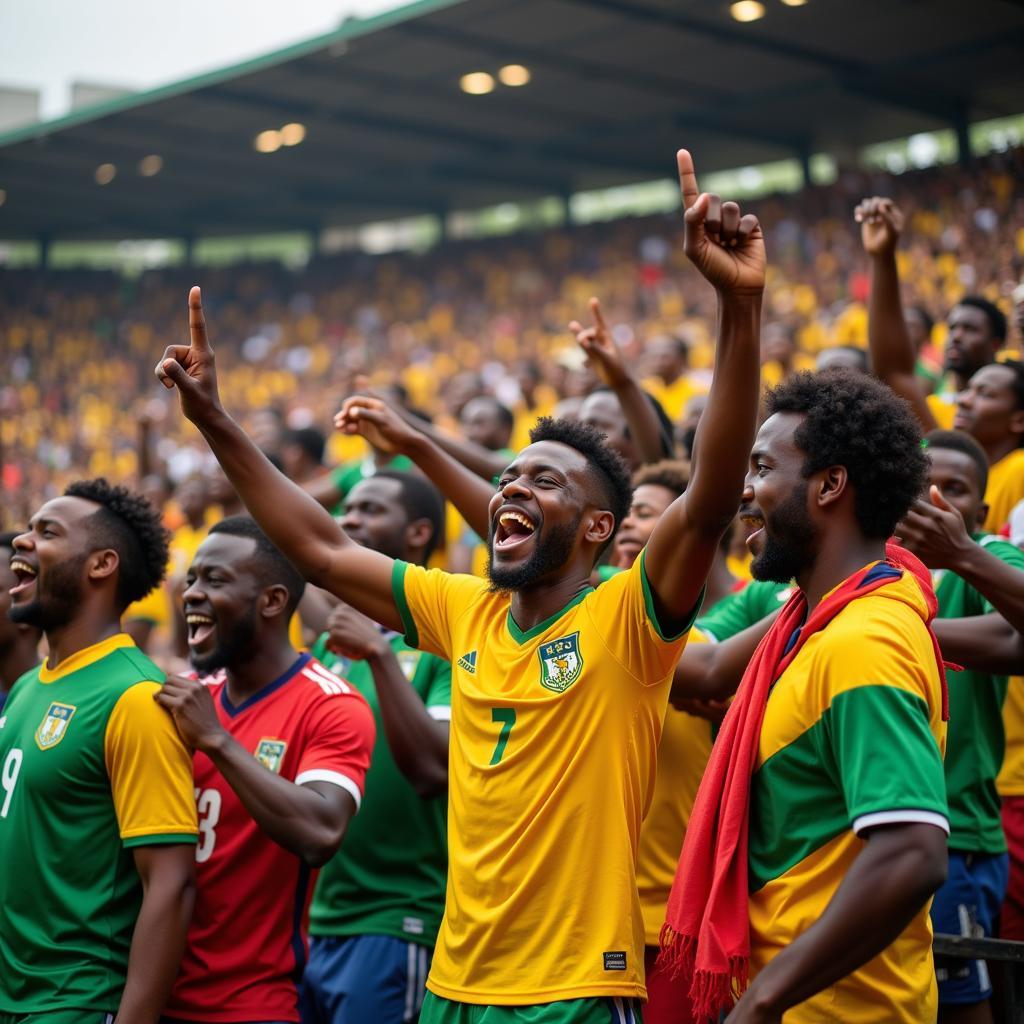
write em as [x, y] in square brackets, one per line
[1005, 966]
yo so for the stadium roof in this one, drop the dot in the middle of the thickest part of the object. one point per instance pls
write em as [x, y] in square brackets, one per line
[616, 87]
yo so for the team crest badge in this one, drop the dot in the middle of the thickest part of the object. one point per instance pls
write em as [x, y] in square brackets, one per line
[270, 754]
[53, 727]
[407, 662]
[560, 663]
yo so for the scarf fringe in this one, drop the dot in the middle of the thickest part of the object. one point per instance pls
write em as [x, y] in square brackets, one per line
[710, 991]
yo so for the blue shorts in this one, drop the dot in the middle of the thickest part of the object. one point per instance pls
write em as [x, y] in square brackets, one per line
[362, 978]
[968, 904]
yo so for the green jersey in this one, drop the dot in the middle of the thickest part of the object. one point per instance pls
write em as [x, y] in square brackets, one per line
[975, 743]
[736, 612]
[346, 476]
[388, 878]
[91, 767]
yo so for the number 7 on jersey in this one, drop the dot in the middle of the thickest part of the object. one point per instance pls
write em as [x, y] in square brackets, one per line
[507, 717]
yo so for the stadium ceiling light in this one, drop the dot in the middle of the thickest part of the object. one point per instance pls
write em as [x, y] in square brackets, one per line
[514, 75]
[477, 83]
[151, 165]
[292, 134]
[747, 10]
[268, 141]
[794, 3]
[105, 174]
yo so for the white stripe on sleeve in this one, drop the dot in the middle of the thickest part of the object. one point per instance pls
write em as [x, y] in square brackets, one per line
[905, 817]
[334, 778]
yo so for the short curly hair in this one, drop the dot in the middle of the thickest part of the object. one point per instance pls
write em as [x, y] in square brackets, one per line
[127, 523]
[612, 475]
[672, 474]
[855, 421]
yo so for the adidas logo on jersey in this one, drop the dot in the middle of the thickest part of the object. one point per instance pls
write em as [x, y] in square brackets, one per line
[468, 662]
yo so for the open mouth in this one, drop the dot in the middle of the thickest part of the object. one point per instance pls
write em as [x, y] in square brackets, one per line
[753, 527]
[200, 628]
[26, 575]
[514, 528]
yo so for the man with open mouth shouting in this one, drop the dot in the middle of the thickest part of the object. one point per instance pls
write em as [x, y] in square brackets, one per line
[97, 818]
[558, 691]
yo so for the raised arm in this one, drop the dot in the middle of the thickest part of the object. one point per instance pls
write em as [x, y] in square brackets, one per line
[606, 359]
[386, 430]
[485, 463]
[295, 522]
[728, 249]
[893, 359]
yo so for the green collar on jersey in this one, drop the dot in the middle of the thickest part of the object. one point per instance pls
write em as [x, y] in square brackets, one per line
[522, 637]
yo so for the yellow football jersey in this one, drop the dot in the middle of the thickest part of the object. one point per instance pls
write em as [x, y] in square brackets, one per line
[682, 757]
[943, 408]
[1005, 489]
[551, 769]
[1011, 778]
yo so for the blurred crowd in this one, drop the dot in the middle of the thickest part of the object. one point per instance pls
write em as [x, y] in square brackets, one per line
[78, 397]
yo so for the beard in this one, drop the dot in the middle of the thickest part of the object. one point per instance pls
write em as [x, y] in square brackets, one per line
[552, 554]
[58, 597]
[789, 537]
[231, 648]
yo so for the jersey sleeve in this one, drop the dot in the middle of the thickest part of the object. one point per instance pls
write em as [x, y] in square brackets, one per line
[340, 741]
[623, 614]
[428, 601]
[884, 709]
[150, 771]
[1005, 552]
[439, 688]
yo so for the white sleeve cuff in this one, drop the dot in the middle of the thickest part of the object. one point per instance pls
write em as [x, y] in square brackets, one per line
[334, 778]
[440, 713]
[905, 817]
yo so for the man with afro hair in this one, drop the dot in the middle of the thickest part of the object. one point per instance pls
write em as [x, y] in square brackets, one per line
[558, 691]
[831, 753]
[97, 816]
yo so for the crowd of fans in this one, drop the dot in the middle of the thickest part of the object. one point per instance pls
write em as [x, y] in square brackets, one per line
[695, 595]
[465, 318]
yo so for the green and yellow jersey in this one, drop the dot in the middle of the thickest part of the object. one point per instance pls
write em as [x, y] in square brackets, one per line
[554, 744]
[975, 746]
[852, 737]
[736, 612]
[91, 767]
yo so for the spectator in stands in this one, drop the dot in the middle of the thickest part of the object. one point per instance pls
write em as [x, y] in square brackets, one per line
[302, 454]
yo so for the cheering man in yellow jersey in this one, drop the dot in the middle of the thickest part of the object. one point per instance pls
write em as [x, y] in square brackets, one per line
[558, 691]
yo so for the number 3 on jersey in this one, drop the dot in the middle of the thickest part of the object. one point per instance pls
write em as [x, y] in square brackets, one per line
[507, 717]
[208, 810]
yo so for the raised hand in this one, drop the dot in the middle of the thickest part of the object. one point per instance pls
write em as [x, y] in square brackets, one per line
[352, 635]
[378, 423]
[727, 247]
[190, 368]
[603, 355]
[935, 531]
[881, 224]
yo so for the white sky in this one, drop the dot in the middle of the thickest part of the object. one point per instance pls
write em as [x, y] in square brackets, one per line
[140, 44]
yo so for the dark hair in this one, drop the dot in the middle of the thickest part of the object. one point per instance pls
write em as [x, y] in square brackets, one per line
[612, 471]
[666, 424]
[995, 316]
[1017, 367]
[671, 474]
[128, 524]
[421, 500]
[310, 440]
[854, 421]
[272, 568]
[958, 441]
[7, 539]
[502, 411]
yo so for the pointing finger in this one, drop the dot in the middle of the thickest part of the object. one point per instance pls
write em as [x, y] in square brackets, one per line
[687, 178]
[196, 320]
[595, 312]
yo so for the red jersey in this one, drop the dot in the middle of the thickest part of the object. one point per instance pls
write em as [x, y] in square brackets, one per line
[247, 942]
